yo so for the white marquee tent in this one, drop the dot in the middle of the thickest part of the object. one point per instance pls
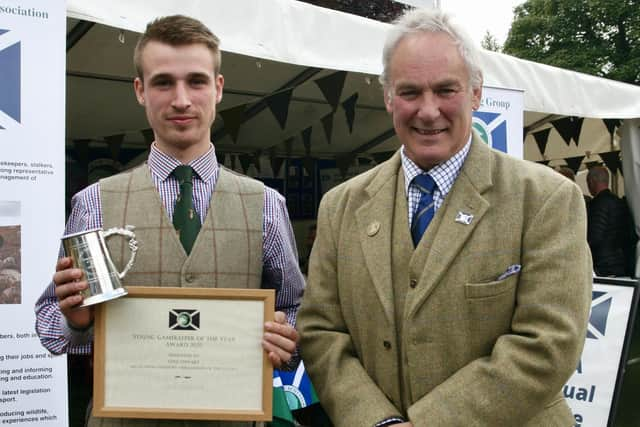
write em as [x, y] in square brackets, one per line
[276, 45]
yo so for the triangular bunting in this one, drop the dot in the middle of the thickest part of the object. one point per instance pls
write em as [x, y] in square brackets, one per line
[234, 159]
[577, 128]
[114, 142]
[279, 105]
[308, 164]
[306, 140]
[574, 163]
[148, 135]
[544, 162]
[327, 125]
[331, 87]
[288, 146]
[245, 162]
[276, 165]
[611, 125]
[611, 160]
[256, 159]
[541, 138]
[233, 119]
[345, 161]
[569, 128]
[349, 106]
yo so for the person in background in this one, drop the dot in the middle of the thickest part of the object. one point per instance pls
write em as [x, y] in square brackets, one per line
[609, 230]
[217, 228]
[568, 172]
[444, 288]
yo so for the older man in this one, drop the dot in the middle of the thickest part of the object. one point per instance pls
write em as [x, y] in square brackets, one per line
[447, 287]
[234, 233]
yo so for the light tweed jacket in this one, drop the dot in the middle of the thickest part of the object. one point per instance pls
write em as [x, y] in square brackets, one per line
[467, 349]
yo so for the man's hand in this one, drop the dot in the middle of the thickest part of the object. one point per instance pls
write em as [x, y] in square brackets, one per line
[279, 340]
[68, 287]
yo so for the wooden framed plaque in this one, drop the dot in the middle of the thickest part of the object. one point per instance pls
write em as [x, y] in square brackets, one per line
[183, 353]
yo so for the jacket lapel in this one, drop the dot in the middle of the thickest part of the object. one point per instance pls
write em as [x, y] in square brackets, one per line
[452, 227]
[375, 221]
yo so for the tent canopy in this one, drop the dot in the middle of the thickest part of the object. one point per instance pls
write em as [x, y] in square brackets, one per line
[280, 59]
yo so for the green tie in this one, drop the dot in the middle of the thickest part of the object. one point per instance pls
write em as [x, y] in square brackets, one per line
[185, 218]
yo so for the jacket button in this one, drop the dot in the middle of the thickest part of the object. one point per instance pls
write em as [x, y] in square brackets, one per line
[413, 283]
[387, 344]
[190, 278]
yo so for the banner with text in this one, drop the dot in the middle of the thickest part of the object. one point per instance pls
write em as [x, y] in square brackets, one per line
[591, 391]
[499, 119]
[33, 384]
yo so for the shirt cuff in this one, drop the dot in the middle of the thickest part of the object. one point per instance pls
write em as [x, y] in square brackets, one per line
[390, 421]
[77, 336]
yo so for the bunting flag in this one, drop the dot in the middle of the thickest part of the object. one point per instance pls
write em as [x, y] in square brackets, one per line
[327, 125]
[381, 157]
[148, 135]
[306, 140]
[278, 103]
[115, 143]
[233, 119]
[282, 416]
[308, 164]
[541, 138]
[343, 162]
[276, 165]
[288, 146]
[331, 87]
[256, 159]
[612, 161]
[611, 125]
[349, 106]
[569, 128]
[544, 162]
[574, 163]
[245, 162]
[233, 161]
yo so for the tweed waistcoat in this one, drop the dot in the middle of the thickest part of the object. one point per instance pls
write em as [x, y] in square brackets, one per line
[226, 254]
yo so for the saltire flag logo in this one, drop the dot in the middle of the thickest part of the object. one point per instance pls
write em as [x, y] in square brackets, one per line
[600, 306]
[184, 319]
[10, 59]
[298, 388]
[492, 128]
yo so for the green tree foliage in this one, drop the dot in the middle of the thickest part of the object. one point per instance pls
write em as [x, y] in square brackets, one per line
[489, 42]
[380, 10]
[598, 37]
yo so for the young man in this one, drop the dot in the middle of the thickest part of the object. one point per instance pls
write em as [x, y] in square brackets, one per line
[480, 319]
[244, 238]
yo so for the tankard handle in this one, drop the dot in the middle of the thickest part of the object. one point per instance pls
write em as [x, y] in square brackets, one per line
[127, 232]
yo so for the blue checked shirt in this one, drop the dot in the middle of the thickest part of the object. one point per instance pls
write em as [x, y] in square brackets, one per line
[444, 175]
[280, 256]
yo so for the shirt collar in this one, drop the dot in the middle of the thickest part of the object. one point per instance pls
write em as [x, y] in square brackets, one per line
[162, 164]
[443, 174]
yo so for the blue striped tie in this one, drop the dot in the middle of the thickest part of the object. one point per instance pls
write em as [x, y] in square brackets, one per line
[426, 208]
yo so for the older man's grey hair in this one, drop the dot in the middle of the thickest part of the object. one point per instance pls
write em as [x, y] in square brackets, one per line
[431, 21]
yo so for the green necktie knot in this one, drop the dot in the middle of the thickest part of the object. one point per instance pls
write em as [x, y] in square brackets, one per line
[185, 219]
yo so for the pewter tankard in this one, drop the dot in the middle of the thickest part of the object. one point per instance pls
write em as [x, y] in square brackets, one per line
[89, 252]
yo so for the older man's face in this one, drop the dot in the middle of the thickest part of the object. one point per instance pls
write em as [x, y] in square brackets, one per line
[429, 98]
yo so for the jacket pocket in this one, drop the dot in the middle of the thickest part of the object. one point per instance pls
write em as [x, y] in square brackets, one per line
[490, 289]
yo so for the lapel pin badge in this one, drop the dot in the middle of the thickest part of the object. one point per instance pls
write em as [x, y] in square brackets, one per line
[464, 218]
[373, 228]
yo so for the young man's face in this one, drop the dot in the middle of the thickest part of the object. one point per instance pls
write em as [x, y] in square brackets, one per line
[179, 92]
[429, 98]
